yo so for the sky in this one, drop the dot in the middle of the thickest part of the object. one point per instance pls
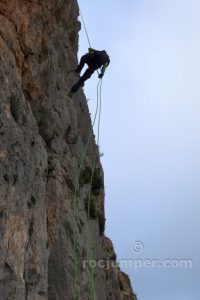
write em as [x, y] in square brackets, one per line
[150, 137]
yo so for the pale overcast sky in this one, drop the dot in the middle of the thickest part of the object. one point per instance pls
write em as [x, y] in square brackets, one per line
[150, 136]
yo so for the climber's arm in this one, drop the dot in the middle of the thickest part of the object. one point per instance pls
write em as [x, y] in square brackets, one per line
[103, 69]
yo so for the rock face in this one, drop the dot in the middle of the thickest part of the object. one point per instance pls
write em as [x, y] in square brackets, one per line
[43, 134]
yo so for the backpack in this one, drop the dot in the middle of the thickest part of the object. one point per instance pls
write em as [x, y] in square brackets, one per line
[102, 57]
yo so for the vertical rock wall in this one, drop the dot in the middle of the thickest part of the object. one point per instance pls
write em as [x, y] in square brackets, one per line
[43, 134]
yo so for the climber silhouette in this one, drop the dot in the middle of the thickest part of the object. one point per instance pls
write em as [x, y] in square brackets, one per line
[95, 60]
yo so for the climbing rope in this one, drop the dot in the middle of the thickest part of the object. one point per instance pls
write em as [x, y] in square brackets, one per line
[75, 199]
[82, 17]
[86, 32]
[90, 244]
[89, 227]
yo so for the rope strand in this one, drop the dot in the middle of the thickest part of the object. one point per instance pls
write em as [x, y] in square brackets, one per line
[87, 35]
[90, 244]
[75, 202]
[91, 275]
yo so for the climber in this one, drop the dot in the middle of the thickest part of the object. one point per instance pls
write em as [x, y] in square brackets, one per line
[95, 60]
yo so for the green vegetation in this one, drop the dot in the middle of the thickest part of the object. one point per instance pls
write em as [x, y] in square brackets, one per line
[92, 208]
[97, 180]
[102, 223]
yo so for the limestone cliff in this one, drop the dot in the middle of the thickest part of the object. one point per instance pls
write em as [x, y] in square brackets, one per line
[43, 134]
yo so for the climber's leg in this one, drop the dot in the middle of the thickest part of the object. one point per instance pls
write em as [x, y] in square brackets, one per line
[88, 73]
[81, 64]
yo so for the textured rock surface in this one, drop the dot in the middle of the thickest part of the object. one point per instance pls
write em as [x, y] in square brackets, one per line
[43, 134]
